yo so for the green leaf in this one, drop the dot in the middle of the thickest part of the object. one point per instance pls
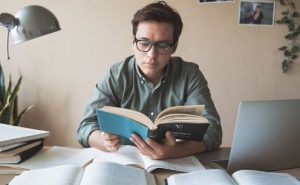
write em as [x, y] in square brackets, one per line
[282, 2]
[16, 89]
[283, 48]
[7, 110]
[291, 26]
[285, 66]
[18, 119]
[9, 101]
[287, 53]
[2, 86]
[14, 110]
[291, 36]
[294, 57]
[285, 12]
[295, 14]
[294, 49]
[279, 22]
[292, 5]
[285, 20]
[6, 115]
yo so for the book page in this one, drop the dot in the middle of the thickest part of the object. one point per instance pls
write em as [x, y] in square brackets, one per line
[187, 109]
[56, 156]
[131, 114]
[253, 177]
[8, 147]
[207, 177]
[126, 155]
[179, 118]
[183, 164]
[60, 175]
[109, 173]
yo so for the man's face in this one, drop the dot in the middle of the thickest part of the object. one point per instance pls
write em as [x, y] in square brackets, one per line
[152, 62]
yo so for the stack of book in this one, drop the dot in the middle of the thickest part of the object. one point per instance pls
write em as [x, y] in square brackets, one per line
[18, 143]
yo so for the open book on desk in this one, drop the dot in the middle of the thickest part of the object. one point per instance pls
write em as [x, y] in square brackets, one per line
[130, 155]
[102, 173]
[241, 177]
[185, 122]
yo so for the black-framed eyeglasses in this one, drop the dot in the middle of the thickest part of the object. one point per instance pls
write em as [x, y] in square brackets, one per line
[162, 47]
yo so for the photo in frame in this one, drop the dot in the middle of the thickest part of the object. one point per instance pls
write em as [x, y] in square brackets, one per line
[256, 13]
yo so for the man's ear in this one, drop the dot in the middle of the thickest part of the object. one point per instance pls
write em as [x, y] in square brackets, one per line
[175, 47]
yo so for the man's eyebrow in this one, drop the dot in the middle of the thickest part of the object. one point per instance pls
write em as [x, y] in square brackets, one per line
[142, 38]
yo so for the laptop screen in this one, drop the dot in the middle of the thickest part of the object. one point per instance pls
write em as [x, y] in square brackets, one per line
[266, 136]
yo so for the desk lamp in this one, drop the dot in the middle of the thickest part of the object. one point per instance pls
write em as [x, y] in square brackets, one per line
[29, 23]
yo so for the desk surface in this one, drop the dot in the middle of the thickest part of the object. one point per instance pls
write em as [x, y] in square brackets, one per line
[205, 158]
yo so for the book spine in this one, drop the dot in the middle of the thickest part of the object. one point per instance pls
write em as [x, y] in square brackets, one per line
[187, 131]
[28, 153]
[153, 134]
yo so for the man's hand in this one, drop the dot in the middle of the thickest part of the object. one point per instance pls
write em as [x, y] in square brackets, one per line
[169, 148]
[104, 141]
[156, 150]
[110, 141]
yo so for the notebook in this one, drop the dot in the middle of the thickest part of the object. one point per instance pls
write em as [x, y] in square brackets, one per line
[10, 135]
[266, 136]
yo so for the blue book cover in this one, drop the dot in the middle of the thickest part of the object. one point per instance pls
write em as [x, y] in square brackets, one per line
[185, 122]
[120, 125]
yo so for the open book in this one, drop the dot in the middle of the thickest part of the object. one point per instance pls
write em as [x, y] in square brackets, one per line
[106, 173]
[129, 155]
[241, 177]
[185, 122]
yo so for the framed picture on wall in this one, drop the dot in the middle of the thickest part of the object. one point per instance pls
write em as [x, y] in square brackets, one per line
[256, 13]
[215, 1]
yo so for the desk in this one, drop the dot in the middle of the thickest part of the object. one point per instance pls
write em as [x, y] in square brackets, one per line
[205, 158]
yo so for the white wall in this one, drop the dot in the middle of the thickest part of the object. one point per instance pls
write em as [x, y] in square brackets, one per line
[60, 70]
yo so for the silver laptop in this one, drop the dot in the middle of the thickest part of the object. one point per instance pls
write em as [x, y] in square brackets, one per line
[266, 136]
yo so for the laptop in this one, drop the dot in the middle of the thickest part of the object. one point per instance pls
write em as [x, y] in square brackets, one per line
[266, 136]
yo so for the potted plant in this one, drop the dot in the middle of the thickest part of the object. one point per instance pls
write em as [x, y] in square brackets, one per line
[9, 101]
[290, 18]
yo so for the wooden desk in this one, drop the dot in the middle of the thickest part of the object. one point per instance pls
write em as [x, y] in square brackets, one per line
[4, 179]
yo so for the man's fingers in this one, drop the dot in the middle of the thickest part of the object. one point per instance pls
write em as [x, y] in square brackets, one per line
[170, 139]
[111, 141]
[143, 146]
[108, 136]
[113, 148]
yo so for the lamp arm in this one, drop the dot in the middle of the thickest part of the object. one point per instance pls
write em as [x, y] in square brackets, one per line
[9, 21]
[7, 45]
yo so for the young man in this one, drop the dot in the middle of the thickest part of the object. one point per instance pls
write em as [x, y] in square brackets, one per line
[149, 82]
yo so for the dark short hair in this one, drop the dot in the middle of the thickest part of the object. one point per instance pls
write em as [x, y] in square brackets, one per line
[159, 12]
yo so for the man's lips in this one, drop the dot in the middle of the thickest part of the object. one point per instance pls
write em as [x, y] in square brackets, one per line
[152, 66]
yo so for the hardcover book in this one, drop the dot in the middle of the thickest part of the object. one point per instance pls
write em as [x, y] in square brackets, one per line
[20, 154]
[185, 122]
[241, 177]
[10, 135]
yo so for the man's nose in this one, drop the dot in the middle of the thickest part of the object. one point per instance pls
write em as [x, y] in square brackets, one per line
[152, 52]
